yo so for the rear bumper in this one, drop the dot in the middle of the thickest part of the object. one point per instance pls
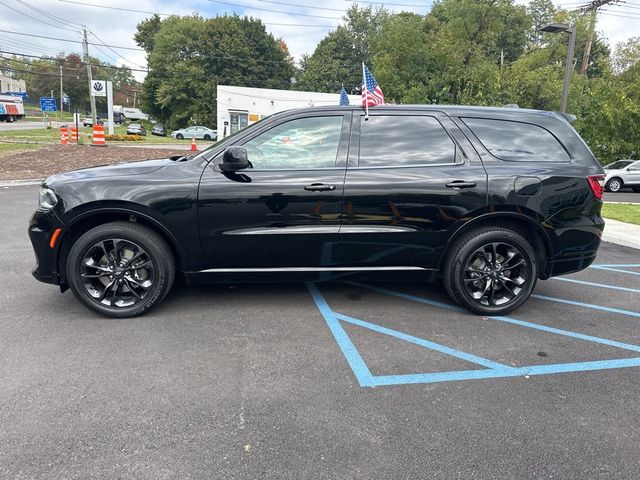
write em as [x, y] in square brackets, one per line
[41, 227]
[576, 247]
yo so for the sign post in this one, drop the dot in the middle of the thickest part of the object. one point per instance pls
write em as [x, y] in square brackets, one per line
[110, 105]
[47, 104]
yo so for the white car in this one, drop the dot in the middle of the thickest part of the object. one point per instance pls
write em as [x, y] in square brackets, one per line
[623, 173]
[200, 133]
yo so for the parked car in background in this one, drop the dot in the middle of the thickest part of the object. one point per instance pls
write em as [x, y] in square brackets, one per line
[159, 130]
[623, 173]
[88, 121]
[198, 132]
[136, 129]
[487, 200]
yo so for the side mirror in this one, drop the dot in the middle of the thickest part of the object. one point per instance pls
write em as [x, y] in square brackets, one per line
[233, 159]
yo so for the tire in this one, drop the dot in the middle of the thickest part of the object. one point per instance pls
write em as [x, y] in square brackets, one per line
[179, 136]
[614, 185]
[207, 137]
[471, 256]
[118, 291]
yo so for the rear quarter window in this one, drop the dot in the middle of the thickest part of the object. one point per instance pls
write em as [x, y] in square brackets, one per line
[517, 141]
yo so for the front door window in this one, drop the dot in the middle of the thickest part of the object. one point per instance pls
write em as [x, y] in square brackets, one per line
[239, 120]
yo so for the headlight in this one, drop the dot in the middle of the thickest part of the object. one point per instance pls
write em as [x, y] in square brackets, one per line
[47, 199]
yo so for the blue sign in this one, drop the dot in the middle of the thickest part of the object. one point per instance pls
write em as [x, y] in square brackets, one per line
[48, 104]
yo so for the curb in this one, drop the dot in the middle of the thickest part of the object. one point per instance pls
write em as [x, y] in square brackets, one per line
[20, 183]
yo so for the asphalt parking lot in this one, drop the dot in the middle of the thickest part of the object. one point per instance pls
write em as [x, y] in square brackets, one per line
[319, 381]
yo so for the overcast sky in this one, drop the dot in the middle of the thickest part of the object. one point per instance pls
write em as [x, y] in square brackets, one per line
[303, 26]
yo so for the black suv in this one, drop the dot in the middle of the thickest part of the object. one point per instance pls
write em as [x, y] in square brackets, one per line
[487, 199]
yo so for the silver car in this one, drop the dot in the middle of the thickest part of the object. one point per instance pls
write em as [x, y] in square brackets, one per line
[623, 173]
[198, 132]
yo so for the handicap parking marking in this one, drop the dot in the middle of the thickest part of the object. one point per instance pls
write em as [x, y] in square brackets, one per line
[592, 306]
[598, 285]
[492, 369]
[617, 269]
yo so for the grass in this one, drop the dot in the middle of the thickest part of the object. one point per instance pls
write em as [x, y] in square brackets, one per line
[623, 212]
[17, 147]
[53, 136]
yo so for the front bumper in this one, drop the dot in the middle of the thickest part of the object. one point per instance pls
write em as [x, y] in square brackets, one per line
[41, 228]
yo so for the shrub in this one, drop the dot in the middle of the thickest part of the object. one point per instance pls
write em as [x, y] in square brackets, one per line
[123, 138]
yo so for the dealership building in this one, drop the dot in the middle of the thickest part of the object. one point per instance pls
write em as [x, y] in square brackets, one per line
[239, 107]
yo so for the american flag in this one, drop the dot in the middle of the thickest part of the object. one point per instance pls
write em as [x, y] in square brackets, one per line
[344, 98]
[371, 92]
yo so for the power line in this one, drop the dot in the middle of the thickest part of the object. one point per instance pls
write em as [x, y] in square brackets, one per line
[36, 19]
[67, 40]
[169, 14]
[249, 7]
[112, 50]
[49, 15]
[418, 5]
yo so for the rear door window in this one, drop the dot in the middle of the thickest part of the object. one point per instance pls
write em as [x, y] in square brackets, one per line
[403, 140]
[517, 141]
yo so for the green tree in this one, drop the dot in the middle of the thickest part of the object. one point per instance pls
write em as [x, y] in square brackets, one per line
[339, 56]
[189, 56]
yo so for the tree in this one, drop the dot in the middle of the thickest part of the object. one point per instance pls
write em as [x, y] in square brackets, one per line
[189, 56]
[339, 56]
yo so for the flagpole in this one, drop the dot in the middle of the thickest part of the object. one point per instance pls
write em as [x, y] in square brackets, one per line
[366, 102]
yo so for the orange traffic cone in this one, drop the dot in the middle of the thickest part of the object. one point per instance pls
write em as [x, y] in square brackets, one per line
[64, 136]
[98, 136]
[193, 144]
[74, 135]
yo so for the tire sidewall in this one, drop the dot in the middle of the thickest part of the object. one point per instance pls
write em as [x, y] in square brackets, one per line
[614, 181]
[162, 281]
[470, 243]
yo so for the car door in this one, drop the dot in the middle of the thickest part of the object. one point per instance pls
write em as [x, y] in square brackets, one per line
[285, 211]
[633, 174]
[412, 178]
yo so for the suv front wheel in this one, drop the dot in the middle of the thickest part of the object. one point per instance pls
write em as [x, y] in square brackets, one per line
[490, 271]
[120, 269]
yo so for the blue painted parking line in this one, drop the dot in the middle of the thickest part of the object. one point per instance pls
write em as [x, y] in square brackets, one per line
[587, 305]
[612, 269]
[492, 369]
[598, 285]
[617, 265]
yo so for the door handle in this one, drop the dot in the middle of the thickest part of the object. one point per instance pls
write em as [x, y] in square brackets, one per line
[461, 184]
[319, 187]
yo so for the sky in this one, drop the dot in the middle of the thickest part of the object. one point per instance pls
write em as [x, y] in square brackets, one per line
[300, 27]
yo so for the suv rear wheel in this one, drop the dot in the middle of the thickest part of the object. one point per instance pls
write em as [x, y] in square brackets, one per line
[120, 269]
[490, 271]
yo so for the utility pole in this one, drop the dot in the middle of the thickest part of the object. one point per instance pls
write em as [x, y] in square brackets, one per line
[61, 91]
[92, 99]
[135, 94]
[593, 8]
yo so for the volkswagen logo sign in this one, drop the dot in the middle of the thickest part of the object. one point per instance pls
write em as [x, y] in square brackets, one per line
[98, 86]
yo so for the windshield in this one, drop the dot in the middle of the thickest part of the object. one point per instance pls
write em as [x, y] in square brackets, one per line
[618, 165]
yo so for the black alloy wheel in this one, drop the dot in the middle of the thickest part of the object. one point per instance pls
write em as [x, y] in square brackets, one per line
[614, 185]
[179, 136]
[207, 137]
[120, 269]
[490, 271]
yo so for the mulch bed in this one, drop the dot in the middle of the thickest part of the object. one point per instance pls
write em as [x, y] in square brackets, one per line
[50, 159]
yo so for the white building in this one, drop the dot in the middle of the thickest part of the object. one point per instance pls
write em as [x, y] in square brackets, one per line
[8, 84]
[239, 107]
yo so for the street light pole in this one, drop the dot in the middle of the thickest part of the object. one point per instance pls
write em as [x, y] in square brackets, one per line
[564, 28]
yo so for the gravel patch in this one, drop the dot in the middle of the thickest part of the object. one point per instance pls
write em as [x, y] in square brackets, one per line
[52, 159]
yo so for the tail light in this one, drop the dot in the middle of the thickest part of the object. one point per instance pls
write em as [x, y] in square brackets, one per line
[596, 182]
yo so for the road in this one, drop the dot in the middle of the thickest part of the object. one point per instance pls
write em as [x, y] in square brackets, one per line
[26, 125]
[326, 381]
[627, 196]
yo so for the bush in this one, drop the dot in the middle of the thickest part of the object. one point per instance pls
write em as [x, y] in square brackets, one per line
[123, 138]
